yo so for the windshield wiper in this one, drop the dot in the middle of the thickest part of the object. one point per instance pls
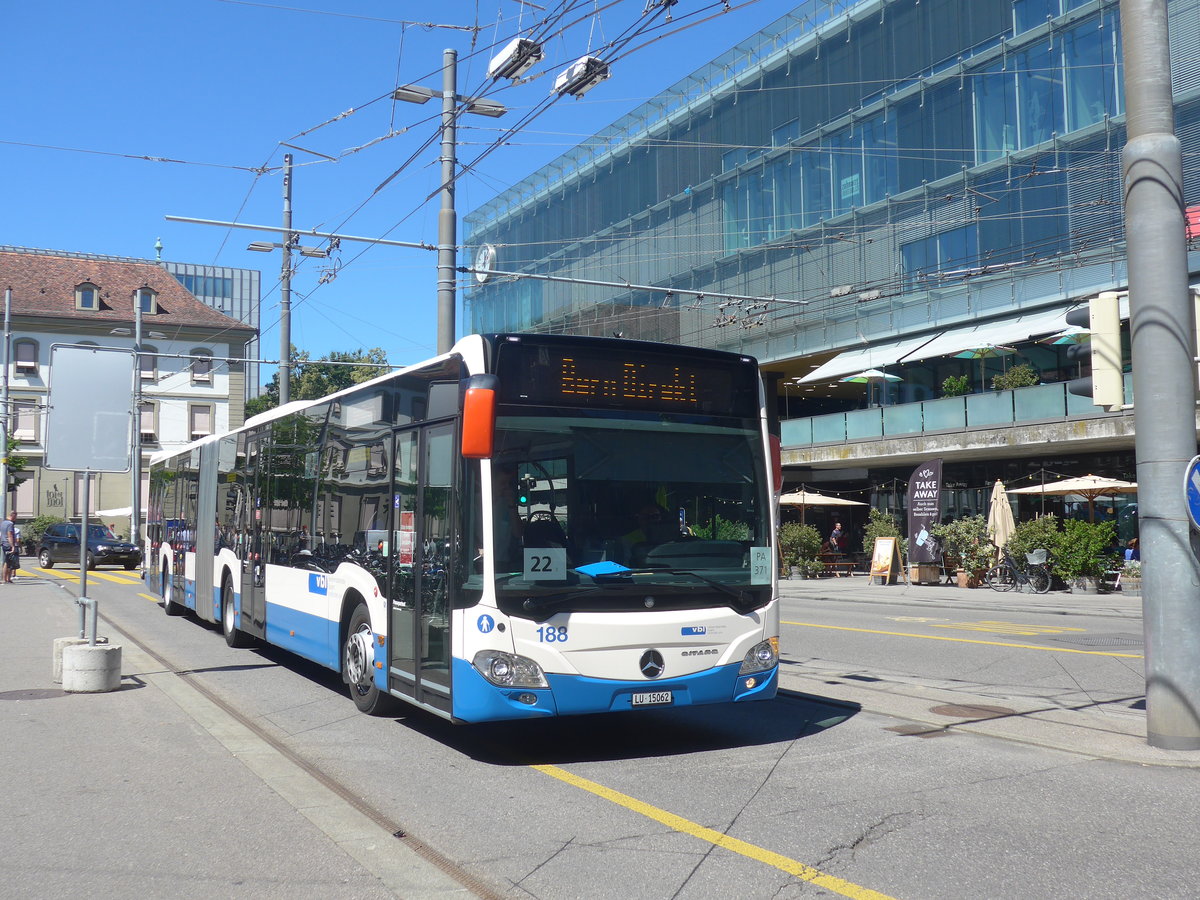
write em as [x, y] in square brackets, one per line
[742, 601]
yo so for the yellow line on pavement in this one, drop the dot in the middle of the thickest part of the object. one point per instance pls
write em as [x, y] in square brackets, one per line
[116, 579]
[1007, 627]
[938, 637]
[149, 597]
[65, 576]
[678, 823]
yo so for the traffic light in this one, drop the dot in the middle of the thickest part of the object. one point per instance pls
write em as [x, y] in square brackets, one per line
[1102, 317]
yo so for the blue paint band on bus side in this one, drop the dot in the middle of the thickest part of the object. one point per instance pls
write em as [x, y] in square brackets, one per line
[478, 700]
[302, 633]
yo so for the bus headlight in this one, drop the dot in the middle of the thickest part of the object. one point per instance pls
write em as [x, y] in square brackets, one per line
[761, 657]
[509, 670]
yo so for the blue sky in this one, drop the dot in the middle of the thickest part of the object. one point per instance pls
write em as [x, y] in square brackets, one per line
[214, 86]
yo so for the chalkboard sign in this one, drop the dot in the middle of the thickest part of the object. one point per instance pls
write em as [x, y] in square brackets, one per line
[884, 558]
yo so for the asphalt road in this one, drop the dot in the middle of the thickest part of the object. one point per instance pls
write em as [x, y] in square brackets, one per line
[791, 798]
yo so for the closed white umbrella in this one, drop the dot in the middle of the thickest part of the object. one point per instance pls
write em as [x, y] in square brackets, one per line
[1000, 523]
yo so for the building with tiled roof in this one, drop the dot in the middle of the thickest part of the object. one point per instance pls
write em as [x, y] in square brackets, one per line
[193, 378]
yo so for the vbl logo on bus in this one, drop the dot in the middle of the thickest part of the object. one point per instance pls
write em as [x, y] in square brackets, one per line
[318, 583]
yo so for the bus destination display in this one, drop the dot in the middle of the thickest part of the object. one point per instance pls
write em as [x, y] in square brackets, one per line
[565, 376]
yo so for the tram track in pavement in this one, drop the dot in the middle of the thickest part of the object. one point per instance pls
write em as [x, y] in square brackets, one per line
[381, 863]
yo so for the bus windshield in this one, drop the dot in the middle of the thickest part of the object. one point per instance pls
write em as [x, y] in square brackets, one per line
[590, 510]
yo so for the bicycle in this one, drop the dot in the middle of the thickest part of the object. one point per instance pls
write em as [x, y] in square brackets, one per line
[1007, 574]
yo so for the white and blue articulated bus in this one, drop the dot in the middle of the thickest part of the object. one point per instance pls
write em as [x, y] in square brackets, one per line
[526, 526]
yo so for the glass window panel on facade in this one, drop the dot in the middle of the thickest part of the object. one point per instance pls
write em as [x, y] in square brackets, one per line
[1040, 90]
[25, 354]
[995, 99]
[1090, 74]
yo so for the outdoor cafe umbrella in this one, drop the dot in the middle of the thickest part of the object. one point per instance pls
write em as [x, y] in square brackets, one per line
[1000, 522]
[982, 352]
[869, 377]
[1087, 486]
[805, 499]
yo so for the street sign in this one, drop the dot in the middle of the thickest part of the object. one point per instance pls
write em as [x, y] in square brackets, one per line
[1191, 491]
[90, 409]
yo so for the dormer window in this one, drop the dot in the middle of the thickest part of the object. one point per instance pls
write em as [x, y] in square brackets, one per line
[87, 297]
[147, 301]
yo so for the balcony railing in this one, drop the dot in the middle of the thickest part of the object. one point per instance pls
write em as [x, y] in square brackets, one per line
[994, 409]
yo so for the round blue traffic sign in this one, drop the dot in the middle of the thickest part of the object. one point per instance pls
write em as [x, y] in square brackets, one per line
[1191, 491]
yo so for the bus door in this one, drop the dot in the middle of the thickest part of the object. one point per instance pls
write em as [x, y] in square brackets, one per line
[422, 510]
[252, 486]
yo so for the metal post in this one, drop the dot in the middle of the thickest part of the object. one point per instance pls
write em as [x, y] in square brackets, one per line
[285, 288]
[84, 602]
[4, 416]
[1163, 344]
[135, 464]
[447, 225]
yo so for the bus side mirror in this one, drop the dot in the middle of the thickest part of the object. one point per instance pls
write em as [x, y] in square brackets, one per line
[479, 416]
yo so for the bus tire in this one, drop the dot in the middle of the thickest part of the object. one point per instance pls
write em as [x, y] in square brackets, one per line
[234, 636]
[358, 665]
[170, 607]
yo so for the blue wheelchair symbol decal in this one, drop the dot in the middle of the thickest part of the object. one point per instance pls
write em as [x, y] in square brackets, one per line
[486, 623]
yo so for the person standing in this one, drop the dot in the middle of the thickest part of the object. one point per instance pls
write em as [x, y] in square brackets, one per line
[837, 539]
[9, 537]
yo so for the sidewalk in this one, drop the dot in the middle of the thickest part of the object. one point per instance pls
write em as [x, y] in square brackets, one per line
[1096, 731]
[153, 791]
[864, 589]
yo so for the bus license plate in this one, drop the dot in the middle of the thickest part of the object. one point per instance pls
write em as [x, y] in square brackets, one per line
[652, 698]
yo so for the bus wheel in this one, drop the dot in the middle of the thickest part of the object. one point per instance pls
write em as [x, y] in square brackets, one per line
[170, 607]
[358, 665]
[234, 636]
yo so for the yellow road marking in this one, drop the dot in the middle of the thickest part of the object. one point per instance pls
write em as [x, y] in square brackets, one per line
[783, 863]
[938, 637]
[65, 576]
[1009, 628]
[117, 579]
[149, 597]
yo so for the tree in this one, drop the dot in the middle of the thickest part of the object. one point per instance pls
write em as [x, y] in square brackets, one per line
[315, 378]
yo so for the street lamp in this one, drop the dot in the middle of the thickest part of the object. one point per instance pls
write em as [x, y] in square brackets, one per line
[447, 221]
[135, 462]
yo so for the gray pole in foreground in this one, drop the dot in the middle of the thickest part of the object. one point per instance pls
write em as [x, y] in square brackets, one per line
[447, 226]
[1163, 343]
[135, 456]
[285, 289]
[5, 417]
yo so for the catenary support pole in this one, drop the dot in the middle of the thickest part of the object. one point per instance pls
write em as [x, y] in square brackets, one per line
[285, 288]
[1163, 347]
[135, 456]
[447, 225]
[5, 415]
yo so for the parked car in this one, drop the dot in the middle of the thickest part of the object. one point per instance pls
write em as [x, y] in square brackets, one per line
[60, 544]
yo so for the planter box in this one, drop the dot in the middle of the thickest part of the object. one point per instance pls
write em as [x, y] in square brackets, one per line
[924, 573]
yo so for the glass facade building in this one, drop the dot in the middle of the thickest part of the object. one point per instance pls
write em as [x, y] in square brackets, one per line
[870, 170]
[236, 293]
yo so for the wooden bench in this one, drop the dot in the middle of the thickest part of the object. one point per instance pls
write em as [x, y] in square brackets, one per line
[949, 566]
[837, 564]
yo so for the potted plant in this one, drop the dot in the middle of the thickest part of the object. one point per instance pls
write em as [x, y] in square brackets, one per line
[1021, 375]
[1131, 577]
[956, 386]
[1084, 553]
[967, 539]
[800, 546]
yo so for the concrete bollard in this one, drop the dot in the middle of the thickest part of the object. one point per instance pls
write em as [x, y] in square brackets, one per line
[91, 668]
[59, 644]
